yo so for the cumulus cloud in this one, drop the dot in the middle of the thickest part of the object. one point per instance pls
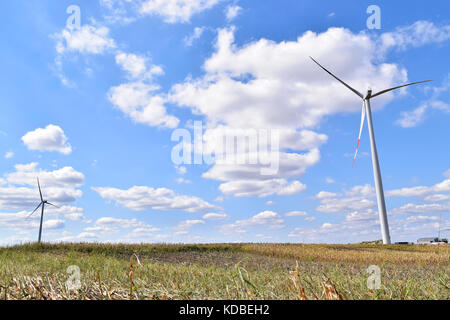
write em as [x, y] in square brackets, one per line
[50, 138]
[188, 224]
[215, 216]
[243, 180]
[173, 11]
[242, 84]
[409, 119]
[437, 197]
[18, 221]
[58, 186]
[447, 174]
[418, 191]
[26, 174]
[87, 39]
[412, 208]
[418, 34]
[296, 214]
[198, 31]
[134, 64]
[9, 155]
[139, 198]
[325, 194]
[135, 100]
[232, 12]
[355, 199]
[265, 218]
[110, 225]
[263, 188]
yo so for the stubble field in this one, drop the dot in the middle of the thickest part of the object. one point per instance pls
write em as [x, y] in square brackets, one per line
[223, 271]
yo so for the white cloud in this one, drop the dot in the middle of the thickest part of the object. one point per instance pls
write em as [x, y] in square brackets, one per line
[345, 204]
[355, 199]
[409, 119]
[412, 208]
[330, 180]
[418, 34]
[310, 219]
[198, 31]
[173, 11]
[417, 116]
[325, 194]
[51, 138]
[242, 84]
[134, 99]
[447, 174]
[110, 225]
[264, 188]
[53, 224]
[188, 224]
[265, 218]
[246, 180]
[9, 155]
[437, 197]
[413, 118]
[181, 170]
[26, 174]
[58, 186]
[215, 216]
[69, 212]
[296, 214]
[140, 198]
[418, 191]
[421, 219]
[134, 64]
[87, 39]
[182, 180]
[232, 12]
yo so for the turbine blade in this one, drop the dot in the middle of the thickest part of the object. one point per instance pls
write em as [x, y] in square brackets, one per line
[52, 205]
[34, 210]
[363, 117]
[354, 90]
[40, 192]
[395, 88]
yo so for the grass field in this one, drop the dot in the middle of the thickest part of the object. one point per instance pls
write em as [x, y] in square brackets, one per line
[224, 271]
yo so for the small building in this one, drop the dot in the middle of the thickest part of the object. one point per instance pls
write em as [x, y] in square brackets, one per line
[431, 241]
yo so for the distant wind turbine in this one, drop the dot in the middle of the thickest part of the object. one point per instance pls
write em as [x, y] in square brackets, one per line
[43, 203]
[376, 166]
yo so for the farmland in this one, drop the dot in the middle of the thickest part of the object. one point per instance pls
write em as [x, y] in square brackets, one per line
[223, 271]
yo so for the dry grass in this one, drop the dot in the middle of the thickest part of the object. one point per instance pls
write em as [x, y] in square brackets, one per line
[238, 271]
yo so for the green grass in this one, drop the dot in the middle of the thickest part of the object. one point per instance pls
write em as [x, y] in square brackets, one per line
[224, 271]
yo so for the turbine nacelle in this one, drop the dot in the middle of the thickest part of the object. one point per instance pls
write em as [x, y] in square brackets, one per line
[368, 94]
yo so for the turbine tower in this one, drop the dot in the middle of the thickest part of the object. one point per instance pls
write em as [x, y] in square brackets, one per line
[42, 205]
[376, 166]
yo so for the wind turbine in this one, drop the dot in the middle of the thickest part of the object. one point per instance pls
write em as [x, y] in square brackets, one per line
[376, 166]
[42, 204]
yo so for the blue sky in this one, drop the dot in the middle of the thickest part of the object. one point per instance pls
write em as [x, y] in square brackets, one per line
[91, 110]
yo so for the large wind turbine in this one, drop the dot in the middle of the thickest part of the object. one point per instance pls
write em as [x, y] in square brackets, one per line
[376, 166]
[42, 204]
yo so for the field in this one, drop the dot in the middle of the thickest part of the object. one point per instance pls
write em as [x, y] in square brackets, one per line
[223, 271]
